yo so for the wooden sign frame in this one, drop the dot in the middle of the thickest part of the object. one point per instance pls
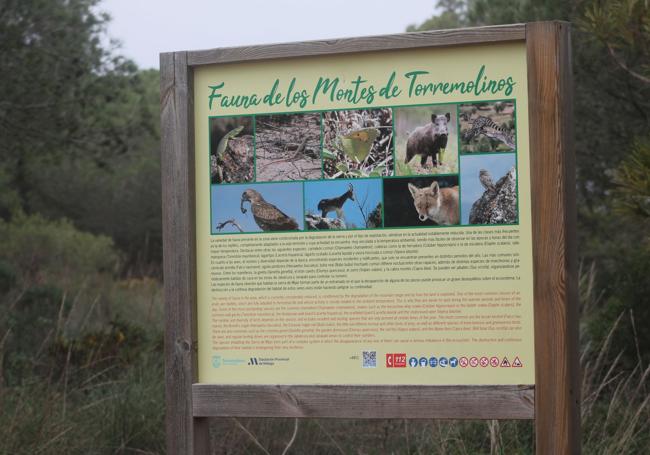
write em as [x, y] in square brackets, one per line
[553, 402]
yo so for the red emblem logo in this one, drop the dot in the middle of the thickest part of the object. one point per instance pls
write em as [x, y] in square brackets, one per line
[399, 360]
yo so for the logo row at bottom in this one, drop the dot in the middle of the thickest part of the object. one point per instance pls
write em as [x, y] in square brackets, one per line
[401, 360]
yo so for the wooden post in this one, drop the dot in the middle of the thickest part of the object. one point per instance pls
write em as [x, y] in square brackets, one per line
[557, 394]
[185, 434]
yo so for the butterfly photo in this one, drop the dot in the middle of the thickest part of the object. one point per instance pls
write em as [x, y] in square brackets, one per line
[358, 143]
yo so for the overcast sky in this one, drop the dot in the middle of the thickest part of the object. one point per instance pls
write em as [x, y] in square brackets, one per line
[148, 27]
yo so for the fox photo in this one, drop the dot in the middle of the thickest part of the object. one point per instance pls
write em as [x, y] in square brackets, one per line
[231, 149]
[343, 204]
[421, 201]
[426, 140]
[256, 208]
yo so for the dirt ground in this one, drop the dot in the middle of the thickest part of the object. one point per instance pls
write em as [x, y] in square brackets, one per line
[288, 147]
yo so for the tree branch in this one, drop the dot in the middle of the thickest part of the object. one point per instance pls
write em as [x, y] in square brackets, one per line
[362, 206]
[619, 61]
[220, 226]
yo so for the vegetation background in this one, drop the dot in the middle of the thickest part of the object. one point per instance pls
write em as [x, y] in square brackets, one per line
[80, 244]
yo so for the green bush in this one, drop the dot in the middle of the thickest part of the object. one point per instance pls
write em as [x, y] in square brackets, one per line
[7, 276]
[51, 278]
[42, 250]
[633, 183]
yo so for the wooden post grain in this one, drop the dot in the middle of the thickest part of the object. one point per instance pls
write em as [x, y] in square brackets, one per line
[186, 435]
[554, 238]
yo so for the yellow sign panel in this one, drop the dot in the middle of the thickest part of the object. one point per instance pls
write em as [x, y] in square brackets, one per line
[365, 219]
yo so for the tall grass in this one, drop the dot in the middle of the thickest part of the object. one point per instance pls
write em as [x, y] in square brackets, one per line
[99, 415]
[615, 400]
[95, 393]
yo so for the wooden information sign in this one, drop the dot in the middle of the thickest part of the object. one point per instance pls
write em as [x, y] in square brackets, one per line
[377, 227]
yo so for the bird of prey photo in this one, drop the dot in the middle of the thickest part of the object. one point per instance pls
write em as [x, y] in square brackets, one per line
[486, 180]
[267, 216]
